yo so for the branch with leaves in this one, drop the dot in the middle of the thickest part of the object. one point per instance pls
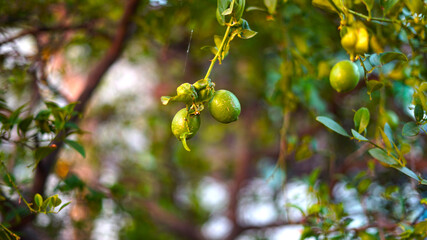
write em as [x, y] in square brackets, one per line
[195, 96]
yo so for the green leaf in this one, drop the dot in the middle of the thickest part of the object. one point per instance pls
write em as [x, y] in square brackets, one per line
[13, 118]
[222, 6]
[419, 113]
[3, 118]
[254, 8]
[220, 18]
[331, 124]
[314, 175]
[56, 201]
[389, 191]
[239, 9]
[71, 125]
[386, 140]
[358, 136]
[247, 33]
[410, 129]
[245, 24]
[3, 105]
[24, 124]
[51, 105]
[423, 87]
[374, 60]
[363, 185]
[388, 5]
[382, 156]
[43, 115]
[214, 50]
[422, 98]
[69, 109]
[408, 172]
[165, 99]
[79, 148]
[361, 119]
[42, 152]
[290, 205]
[63, 206]
[374, 85]
[391, 56]
[326, 4]
[369, 4]
[228, 11]
[45, 207]
[388, 132]
[38, 200]
[271, 6]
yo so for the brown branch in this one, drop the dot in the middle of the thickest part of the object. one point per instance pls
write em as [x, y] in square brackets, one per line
[241, 172]
[35, 31]
[93, 79]
[379, 225]
[279, 223]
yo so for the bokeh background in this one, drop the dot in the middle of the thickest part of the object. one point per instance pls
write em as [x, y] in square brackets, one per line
[257, 178]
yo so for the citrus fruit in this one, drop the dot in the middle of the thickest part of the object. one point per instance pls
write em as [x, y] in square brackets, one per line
[344, 76]
[224, 106]
[362, 41]
[185, 126]
[349, 40]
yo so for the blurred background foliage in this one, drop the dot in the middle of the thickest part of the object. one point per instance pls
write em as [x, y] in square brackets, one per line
[276, 173]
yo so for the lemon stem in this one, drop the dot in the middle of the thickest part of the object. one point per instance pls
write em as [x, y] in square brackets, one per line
[219, 52]
[365, 72]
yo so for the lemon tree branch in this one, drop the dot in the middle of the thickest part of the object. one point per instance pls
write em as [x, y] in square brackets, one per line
[373, 18]
[218, 53]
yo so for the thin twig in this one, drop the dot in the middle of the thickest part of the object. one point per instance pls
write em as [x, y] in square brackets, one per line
[373, 18]
[15, 187]
[44, 29]
[219, 52]
[9, 232]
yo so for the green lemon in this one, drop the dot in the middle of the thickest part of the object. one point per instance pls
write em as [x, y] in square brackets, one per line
[185, 126]
[344, 76]
[224, 106]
